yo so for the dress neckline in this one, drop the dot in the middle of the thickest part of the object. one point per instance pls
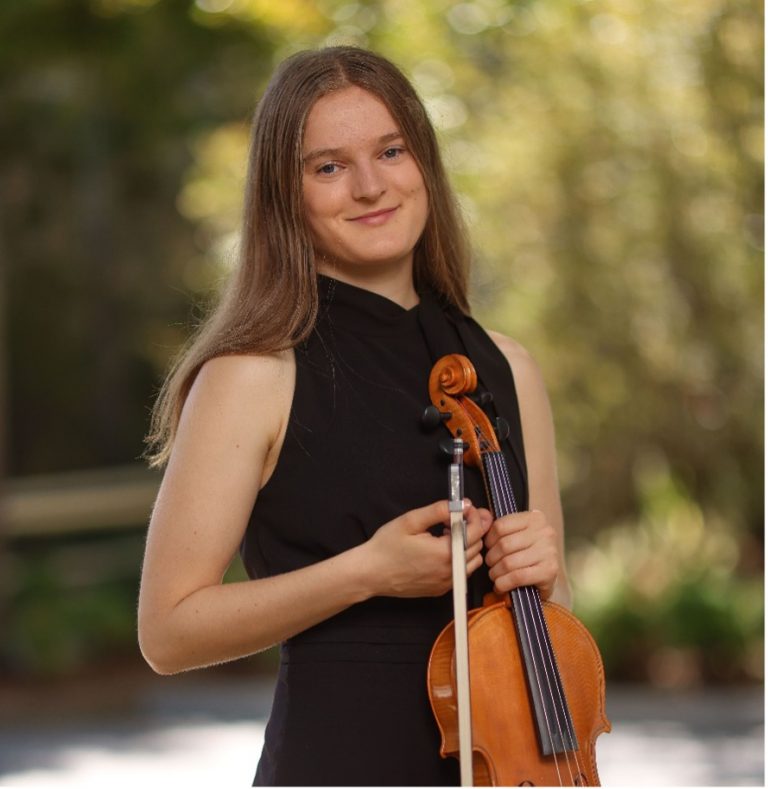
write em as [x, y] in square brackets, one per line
[353, 307]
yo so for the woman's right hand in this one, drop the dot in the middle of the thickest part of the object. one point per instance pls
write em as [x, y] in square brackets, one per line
[407, 560]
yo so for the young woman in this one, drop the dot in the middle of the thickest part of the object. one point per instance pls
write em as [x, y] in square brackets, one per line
[291, 430]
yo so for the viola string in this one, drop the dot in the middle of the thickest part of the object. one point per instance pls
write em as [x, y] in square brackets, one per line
[530, 596]
[534, 614]
[538, 625]
[565, 730]
[504, 504]
[526, 598]
[565, 724]
[560, 707]
[502, 498]
[525, 632]
[564, 709]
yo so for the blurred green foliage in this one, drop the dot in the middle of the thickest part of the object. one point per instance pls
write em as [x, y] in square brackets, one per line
[608, 156]
[663, 596]
[72, 601]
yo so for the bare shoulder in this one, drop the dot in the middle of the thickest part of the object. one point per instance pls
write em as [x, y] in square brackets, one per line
[525, 370]
[241, 395]
[243, 375]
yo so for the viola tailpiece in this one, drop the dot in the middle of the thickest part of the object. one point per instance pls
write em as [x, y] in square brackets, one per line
[534, 722]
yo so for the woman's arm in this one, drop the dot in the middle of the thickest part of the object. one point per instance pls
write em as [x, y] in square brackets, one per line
[228, 441]
[529, 548]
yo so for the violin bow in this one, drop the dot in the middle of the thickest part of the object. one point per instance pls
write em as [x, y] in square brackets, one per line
[459, 569]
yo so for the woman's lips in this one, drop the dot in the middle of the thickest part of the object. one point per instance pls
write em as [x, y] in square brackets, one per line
[375, 218]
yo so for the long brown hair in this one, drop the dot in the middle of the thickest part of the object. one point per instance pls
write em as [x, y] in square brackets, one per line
[270, 302]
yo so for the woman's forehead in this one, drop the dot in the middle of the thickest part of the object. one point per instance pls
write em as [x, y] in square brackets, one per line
[348, 116]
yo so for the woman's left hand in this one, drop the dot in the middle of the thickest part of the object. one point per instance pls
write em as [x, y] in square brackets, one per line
[523, 551]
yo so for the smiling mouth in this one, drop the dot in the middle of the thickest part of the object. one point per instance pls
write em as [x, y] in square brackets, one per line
[375, 217]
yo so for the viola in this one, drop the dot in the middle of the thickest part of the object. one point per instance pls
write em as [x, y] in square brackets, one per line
[536, 679]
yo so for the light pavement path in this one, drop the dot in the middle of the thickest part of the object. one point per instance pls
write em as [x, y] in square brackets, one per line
[195, 734]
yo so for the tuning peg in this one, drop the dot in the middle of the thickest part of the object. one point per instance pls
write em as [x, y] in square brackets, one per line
[482, 398]
[502, 428]
[447, 446]
[432, 418]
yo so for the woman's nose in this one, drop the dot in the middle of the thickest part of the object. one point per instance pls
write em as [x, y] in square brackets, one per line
[368, 183]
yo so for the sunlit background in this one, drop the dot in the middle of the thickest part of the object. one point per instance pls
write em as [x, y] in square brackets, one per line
[608, 155]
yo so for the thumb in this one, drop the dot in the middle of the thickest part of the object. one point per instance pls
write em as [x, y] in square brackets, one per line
[423, 518]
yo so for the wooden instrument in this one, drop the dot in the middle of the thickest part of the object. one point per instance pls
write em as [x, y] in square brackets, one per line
[535, 717]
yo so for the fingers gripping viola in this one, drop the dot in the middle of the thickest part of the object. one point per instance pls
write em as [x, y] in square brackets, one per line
[407, 560]
[522, 550]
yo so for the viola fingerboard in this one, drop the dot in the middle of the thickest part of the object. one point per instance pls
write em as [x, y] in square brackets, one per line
[554, 725]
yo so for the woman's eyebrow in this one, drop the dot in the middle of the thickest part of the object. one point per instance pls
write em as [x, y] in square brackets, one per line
[331, 152]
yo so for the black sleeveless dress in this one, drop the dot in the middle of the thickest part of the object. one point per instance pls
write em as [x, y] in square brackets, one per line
[351, 705]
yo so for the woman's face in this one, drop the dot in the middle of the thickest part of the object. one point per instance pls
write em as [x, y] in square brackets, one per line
[364, 196]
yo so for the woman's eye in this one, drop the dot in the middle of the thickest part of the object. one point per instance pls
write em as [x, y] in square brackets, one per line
[392, 153]
[327, 169]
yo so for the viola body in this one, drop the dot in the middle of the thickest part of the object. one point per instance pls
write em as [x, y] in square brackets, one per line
[505, 751]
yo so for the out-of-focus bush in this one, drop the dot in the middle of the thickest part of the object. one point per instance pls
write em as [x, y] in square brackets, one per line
[663, 595]
[73, 603]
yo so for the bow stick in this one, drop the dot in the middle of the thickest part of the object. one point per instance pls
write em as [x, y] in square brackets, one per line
[459, 568]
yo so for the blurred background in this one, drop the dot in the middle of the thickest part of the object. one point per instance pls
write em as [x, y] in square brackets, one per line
[608, 155]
